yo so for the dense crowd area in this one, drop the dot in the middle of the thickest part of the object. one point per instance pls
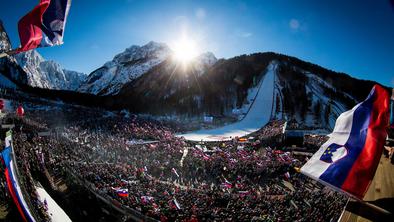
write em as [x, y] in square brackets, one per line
[141, 164]
[24, 166]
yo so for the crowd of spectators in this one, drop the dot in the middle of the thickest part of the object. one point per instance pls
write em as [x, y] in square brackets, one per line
[314, 141]
[24, 166]
[168, 178]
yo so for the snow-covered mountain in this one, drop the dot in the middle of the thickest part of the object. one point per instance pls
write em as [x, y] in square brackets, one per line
[30, 68]
[304, 93]
[48, 74]
[126, 66]
[147, 79]
[203, 62]
[131, 64]
[4, 41]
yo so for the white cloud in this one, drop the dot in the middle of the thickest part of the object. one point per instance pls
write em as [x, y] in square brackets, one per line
[294, 24]
[200, 13]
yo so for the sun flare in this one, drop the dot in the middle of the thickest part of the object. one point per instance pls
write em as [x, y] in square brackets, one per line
[185, 50]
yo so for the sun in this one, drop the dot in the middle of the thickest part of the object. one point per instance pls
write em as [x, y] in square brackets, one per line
[185, 50]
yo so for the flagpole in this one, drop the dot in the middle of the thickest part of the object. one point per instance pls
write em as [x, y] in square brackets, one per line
[3, 54]
[9, 53]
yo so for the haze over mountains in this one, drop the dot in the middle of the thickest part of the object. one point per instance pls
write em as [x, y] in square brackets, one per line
[147, 79]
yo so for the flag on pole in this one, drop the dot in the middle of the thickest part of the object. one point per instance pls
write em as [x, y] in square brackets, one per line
[348, 160]
[12, 181]
[43, 26]
[123, 192]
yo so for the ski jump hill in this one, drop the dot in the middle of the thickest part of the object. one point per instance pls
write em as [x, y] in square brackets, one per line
[258, 115]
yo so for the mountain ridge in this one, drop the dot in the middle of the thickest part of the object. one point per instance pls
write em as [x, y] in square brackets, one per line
[133, 62]
[147, 79]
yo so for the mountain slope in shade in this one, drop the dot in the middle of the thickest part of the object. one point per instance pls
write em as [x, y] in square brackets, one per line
[147, 79]
[303, 92]
[131, 64]
[9, 69]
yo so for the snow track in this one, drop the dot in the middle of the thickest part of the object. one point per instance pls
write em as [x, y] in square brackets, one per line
[258, 115]
[55, 212]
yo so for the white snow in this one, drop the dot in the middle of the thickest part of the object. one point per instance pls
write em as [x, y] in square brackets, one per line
[318, 95]
[55, 212]
[126, 66]
[134, 62]
[8, 105]
[252, 95]
[47, 74]
[204, 61]
[316, 78]
[4, 41]
[258, 115]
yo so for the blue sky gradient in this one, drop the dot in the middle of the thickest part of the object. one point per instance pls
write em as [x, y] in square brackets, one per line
[353, 36]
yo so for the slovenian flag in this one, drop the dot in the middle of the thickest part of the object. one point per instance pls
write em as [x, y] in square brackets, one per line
[122, 192]
[44, 25]
[348, 160]
[13, 182]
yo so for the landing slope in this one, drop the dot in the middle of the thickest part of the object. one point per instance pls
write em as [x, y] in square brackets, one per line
[258, 115]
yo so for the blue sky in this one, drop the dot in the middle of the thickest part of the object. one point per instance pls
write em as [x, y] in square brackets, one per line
[353, 36]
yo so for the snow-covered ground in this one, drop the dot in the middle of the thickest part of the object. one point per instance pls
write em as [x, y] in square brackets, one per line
[258, 115]
[8, 106]
[55, 211]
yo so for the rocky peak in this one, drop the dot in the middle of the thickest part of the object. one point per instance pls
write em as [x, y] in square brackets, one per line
[5, 44]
